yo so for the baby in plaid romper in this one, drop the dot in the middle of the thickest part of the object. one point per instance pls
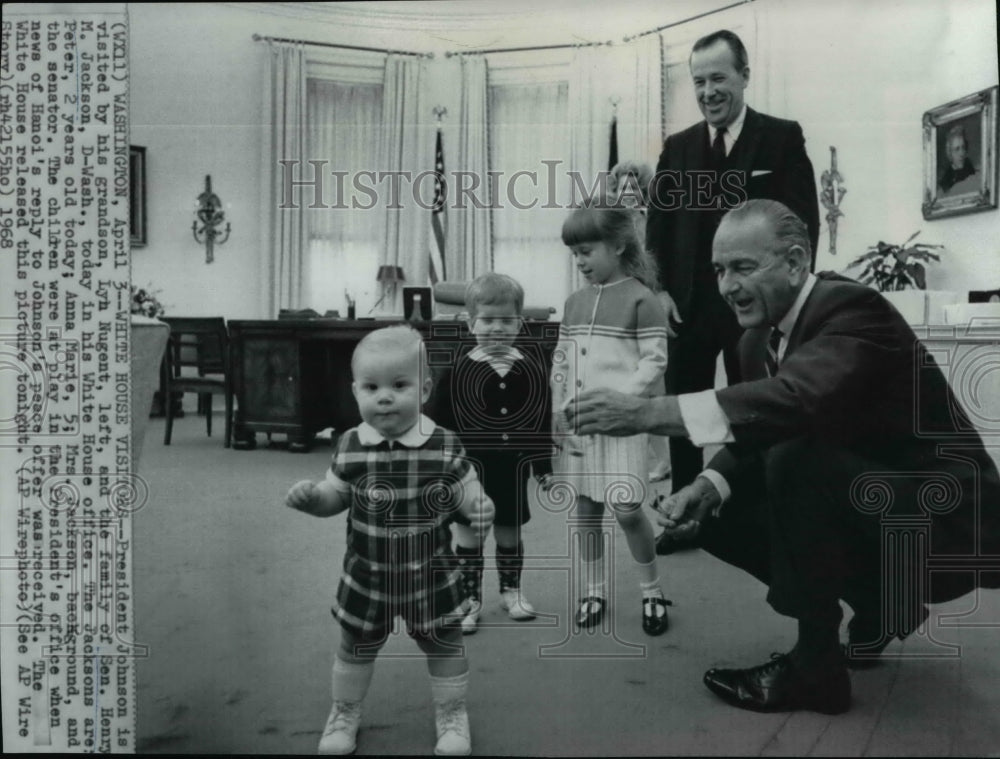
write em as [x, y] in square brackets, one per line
[401, 479]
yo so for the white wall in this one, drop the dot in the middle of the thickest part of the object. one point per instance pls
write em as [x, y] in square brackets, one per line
[859, 76]
[856, 74]
[196, 103]
[195, 106]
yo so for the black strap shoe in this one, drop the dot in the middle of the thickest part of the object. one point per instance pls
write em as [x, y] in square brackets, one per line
[780, 686]
[654, 615]
[590, 612]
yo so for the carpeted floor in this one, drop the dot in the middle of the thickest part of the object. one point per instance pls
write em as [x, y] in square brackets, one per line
[233, 601]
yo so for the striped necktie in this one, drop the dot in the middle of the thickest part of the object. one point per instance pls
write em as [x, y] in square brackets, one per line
[771, 358]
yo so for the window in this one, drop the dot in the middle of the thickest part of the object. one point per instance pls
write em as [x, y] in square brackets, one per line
[529, 125]
[342, 255]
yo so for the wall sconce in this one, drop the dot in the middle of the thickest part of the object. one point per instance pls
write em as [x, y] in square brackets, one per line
[211, 216]
[833, 192]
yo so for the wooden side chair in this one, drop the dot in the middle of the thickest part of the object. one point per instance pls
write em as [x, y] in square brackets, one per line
[201, 343]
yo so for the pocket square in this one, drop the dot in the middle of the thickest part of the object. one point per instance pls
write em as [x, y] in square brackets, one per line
[759, 172]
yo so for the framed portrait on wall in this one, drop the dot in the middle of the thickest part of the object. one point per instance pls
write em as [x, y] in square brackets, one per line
[960, 156]
[137, 195]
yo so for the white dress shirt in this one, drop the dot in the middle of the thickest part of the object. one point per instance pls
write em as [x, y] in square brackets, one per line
[701, 413]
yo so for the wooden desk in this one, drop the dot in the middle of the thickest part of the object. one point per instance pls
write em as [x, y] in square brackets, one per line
[293, 377]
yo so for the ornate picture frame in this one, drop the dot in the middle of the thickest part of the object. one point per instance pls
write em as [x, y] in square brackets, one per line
[960, 156]
[137, 195]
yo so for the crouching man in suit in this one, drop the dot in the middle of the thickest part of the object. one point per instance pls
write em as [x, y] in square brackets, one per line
[841, 420]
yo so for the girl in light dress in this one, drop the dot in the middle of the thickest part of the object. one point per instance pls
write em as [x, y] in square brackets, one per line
[613, 335]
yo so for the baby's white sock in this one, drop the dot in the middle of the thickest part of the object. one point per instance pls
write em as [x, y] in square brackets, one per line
[445, 689]
[351, 679]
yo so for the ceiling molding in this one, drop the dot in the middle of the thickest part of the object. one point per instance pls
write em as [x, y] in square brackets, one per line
[396, 16]
[474, 24]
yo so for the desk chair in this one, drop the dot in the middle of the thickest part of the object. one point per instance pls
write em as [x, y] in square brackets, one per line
[450, 300]
[298, 313]
[201, 343]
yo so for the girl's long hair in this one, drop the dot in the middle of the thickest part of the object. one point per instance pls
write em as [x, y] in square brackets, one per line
[610, 222]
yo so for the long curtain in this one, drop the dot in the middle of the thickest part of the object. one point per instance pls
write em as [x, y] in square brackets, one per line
[284, 231]
[528, 126]
[590, 114]
[405, 147]
[640, 128]
[344, 238]
[544, 125]
[470, 249]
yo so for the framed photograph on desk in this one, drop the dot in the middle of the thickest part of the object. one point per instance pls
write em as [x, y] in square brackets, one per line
[417, 299]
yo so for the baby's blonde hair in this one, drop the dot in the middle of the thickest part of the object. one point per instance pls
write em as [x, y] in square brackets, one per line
[398, 339]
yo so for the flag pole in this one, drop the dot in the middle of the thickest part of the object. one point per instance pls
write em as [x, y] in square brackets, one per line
[613, 146]
[439, 222]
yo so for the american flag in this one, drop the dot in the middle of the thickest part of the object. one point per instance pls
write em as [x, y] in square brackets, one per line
[439, 220]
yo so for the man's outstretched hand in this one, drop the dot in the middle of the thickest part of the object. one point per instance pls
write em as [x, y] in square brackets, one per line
[682, 513]
[606, 412]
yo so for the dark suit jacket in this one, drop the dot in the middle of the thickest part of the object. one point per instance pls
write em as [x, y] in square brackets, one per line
[680, 236]
[854, 375]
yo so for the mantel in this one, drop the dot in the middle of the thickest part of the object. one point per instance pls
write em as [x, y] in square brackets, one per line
[969, 356]
[976, 331]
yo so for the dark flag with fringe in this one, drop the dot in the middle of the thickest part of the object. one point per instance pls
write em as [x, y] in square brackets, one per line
[613, 150]
[439, 221]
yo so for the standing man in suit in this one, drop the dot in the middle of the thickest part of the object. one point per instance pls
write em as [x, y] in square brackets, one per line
[843, 432]
[735, 154]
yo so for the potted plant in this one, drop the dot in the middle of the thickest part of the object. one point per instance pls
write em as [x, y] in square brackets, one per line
[145, 302]
[899, 273]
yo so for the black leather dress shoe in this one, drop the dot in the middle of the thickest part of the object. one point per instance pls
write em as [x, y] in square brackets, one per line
[668, 544]
[780, 686]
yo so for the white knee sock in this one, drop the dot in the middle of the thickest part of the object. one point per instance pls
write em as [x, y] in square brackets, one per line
[649, 580]
[351, 679]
